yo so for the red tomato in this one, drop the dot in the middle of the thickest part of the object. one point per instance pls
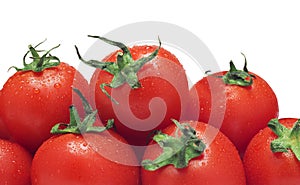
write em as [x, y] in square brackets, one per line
[218, 164]
[239, 111]
[32, 102]
[263, 167]
[141, 110]
[91, 159]
[15, 164]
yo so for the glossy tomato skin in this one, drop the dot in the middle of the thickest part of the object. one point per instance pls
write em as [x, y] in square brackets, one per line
[239, 112]
[162, 95]
[32, 102]
[3, 130]
[72, 159]
[15, 164]
[219, 164]
[263, 167]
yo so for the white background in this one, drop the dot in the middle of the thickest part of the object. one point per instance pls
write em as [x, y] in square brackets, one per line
[266, 31]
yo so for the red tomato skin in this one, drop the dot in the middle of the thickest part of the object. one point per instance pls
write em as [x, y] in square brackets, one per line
[162, 78]
[219, 164]
[263, 167]
[239, 112]
[33, 102]
[3, 130]
[15, 164]
[70, 160]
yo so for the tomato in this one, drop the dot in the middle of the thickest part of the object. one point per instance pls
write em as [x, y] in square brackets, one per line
[76, 159]
[84, 153]
[147, 101]
[238, 102]
[218, 163]
[33, 101]
[264, 167]
[15, 164]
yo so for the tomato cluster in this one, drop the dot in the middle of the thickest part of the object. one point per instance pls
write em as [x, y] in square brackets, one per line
[137, 122]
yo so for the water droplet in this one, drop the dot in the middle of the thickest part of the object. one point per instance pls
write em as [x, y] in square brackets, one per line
[84, 144]
[57, 85]
[133, 53]
[206, 151]
[203, 163]
[36, 90]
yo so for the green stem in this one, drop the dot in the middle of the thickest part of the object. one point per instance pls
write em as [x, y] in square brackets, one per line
[238, 77]
[124, 70]
[76, 126]
[39, 63]
[178, 150]
[288, 139]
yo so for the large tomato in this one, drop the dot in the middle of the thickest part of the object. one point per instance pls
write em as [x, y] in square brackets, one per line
[38, 96]
[148, 86]
[15, 164]
[71, 159]
[238, 102]
[273, 155]
[84, 154]
[218, 162]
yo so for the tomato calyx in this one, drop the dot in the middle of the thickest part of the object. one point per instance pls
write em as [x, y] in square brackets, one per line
[78, 126]
[237, 77]
[124, 69]
[178, 150]
[287, 138]
[39, 63]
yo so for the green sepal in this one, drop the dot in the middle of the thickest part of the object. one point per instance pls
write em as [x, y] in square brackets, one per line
[178, 150]
[124, 69]
[238, 77]
[288, 139]
[39, 63]
[78, 126]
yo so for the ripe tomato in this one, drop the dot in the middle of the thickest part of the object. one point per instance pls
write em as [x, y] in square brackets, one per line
[85, 153]
[32, 102]
[238, 102]
[264, 167]
[147, 102]
[219, 163]
[75, 159]
[15, 164]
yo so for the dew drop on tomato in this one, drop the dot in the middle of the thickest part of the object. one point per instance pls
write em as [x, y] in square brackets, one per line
[36, 90]
[57, 85]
